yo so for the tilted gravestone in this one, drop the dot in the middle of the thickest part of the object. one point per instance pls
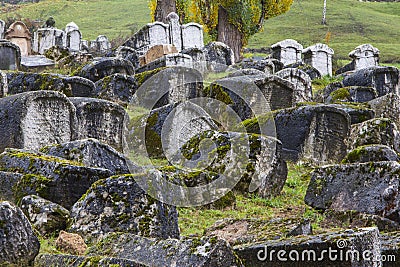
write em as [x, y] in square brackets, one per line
[287, 51]
[20, 82]
[117, 88]
[387, 106]
[314, 132]
[218, 56]
[301, 81]
[100, 119]
[320, 57]
[385, 80]
[129, 54]
[44, 38]
[103, 67]
[33, 119]
[10, 55]
[19, 34]
[358, 94]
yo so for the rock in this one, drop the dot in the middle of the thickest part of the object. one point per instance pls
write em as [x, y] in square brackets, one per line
[102, 120]
[60, 260]
[203, 252]
[265, 170]
[219, 56]
[371, 153]
[387, 106]
[18, 243]
[117, 88]
[20, 82]
[91, 153]
[365, 187]
[118, 204]
[55, 179]
[71, 243]
[7, 181]
[34, 119]
[45, 216]
[344, 248]
[379, 131]
[384, 79]
[304, 228]
[106, 66]
[359, 94]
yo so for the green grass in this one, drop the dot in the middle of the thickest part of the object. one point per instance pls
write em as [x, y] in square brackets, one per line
[350, 23]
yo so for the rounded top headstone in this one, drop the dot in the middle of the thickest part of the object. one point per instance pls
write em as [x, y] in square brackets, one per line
[71, 26]
[172, 17]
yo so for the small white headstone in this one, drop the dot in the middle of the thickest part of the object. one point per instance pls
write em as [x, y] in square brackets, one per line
[319, 56]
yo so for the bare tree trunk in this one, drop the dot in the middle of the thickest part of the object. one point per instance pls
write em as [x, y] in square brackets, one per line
[164, 7]
[229, 34]
[324, 14]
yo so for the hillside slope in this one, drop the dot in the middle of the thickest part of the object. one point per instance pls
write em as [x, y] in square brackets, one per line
[350, 22]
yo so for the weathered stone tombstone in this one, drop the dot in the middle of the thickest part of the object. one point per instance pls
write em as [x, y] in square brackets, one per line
[320, 57]
[34, 119]
[103, 44]
[280, 93]
[3, 84]
[103, 67]
[158, 51]
[117, 88]
[181, 36]
[365, 56]
[385, 80]
[219, 56]
[2, 28]
[387, 106]
[19, 34]
[73, 36]
[287, 51]
[301, 81]
[44, 38]
[192, 36]
[129, 54]
[10, 55]
[170, 60]
[100, 119]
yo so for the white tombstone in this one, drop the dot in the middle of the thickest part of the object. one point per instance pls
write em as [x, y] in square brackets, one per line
[175, 31]
[71, 27]
[158, 34]
[103, 44]
[2, 29]
[365, 56]
[287, 51]
[44, 38]
[74, 40]
[319, 56]
[192, 36]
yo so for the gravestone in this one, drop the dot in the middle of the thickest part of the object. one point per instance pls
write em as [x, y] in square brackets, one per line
[100, 119]
[301, 81]
[175, 30]
[170, 60]
[320, 57]
[44, 38]
[272, 66]
[34, 119]
[192, 36]
[129, 54]
[385, 80]
[198, 57]
[219, 56]
[2, 29]
[365, 56]
[158, 51]
[387, 106]
[287, 51]
[103, 44]
[19, 34]
[279, 93]
[73, 40]
[3, 84]
[117, 88]
[10, 55]
[103, 67]
[316, 132]
[71, 27]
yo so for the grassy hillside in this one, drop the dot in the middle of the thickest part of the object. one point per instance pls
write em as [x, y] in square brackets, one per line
[350, 22]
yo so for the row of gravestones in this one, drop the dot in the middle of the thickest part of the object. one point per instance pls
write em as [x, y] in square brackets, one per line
[46, 37]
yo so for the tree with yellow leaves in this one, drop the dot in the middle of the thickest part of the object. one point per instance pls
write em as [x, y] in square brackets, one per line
[229, 21]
